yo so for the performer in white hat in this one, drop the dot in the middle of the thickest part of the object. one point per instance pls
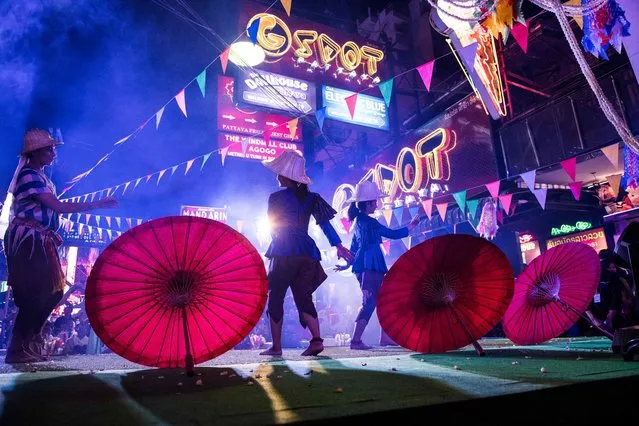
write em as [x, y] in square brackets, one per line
[295, 258]
[369, 265]
[28, 223]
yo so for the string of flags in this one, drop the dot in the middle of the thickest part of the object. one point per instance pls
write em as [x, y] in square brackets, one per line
[82, 228]
[110, 221]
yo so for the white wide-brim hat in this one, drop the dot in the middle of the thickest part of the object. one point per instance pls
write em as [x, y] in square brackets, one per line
[36, 139]
[367, 191]
[289, 164]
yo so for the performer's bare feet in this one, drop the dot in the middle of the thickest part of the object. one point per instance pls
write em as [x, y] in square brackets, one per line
[272, 352]
[360, 346]
[315, 347]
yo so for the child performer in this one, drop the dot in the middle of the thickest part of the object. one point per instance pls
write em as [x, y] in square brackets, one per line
[369, 265]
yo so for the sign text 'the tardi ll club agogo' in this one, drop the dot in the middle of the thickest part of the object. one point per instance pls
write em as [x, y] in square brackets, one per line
[278, 39]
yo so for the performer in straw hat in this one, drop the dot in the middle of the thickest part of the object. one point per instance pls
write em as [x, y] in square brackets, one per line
[369, 265]
[28, 223]
[295, 258]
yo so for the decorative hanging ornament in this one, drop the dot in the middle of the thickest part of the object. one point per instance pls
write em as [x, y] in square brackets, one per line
[604, 27]
[487, 227]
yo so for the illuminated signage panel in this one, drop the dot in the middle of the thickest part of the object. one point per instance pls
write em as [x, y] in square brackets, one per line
[275, 91]
[214, 213]
[595, 238]
[369, 111]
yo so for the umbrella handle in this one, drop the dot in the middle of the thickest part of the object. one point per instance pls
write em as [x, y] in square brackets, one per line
[189, 357]
[476, 345]
[584, 316]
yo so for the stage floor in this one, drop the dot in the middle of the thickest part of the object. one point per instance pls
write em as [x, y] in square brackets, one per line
[578, 379]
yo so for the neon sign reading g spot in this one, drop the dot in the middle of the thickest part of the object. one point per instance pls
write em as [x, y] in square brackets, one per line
[275, 37]
[413, 170]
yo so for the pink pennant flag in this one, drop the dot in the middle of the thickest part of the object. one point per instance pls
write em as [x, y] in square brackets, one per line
[570, 166]
[119, 222]
[351, 103]
[346, 224]
[428, 207]
[224, 59]
[541, 194]
[188, 166]
[442, 208]
[148, 178]
[108, 220]
[575, 188]
[223, 153]
[520, 33]
[386, 246]
[292, 127]
[179, 98]
[426, 73]
[160, 176]
[493, 188]
[128, 221]
[506, 201]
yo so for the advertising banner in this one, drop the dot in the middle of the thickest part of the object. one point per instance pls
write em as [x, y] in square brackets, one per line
[595, 238]
[214, 213]
[254, 148]
[232, 119]
[277, 92]
[369, 111]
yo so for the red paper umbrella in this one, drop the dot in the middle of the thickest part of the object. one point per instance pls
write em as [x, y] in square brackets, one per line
[552, 293]
[176, 291]
[445, 293]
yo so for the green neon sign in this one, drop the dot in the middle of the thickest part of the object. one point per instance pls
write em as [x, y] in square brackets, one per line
[569, 229]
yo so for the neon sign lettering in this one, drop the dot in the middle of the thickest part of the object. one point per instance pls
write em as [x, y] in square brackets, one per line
[569, 229]
[275, 37]
[413, 169]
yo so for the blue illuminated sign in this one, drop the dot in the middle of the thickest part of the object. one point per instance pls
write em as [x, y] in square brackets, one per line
[369, 111]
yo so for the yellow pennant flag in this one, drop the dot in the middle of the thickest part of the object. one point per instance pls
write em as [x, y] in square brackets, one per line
[287, 6]
[292, 127]
[388, 215]
[578, 19]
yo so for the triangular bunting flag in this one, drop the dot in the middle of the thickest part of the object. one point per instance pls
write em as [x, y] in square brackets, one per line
[570, 167]
[90, 229]
[351, 103]
[138, 221]
[201, 82]
[188, 166]
[386, 246]
[578, 19]
[428, 207]
[179, 98]
[468, 55]
[575, 188]
[346, 224]
[253, 29]
[80, 228]
[85, 198]
[399, 214]
[223, 153]
[292, 127]
[120, 142]
[407, 241]
[612, 154]
[441, 209]
[320, 115]
[137, 182]
[204, 160]
[472, 207]
[224, 59]
[173, 169]
[160, 176]
[158, 117]
[493, 188]
[126, 186]
[287, 6]
[614, 182]
[388, 215]
[414, 211]
[87, 217]
[148, 178]
[529, 178]
[93, 196]
[506, 201]
[460, 197]
[108, 220]
[97, 219]
[426, 73]
[520, 33]
[110, 234]
[119, 222]
[128, 221]
[100, 233]
[386, 87]
[244, 143]
[541, 194]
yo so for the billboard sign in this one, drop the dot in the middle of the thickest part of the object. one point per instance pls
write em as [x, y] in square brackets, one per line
[277, 92]
[369, 111]
[254, 148]
[214, 213]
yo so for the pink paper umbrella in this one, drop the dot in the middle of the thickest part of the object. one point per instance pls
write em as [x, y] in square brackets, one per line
[176, 291]
[552, 293]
